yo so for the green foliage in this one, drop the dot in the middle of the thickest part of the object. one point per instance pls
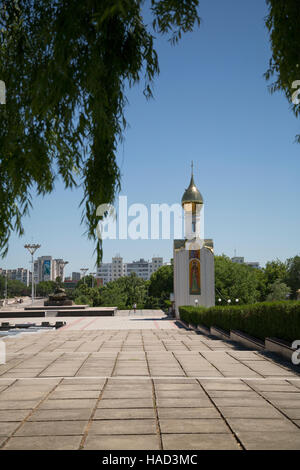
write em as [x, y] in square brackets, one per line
[161, 281]
[266, 319]
[82, 300]
[160, 287]
[237, 281]
[121, 293]
[293, 274]
[59, 282]
[14, 288]
[278, 291]
[124, 292]
[67, 65]
[152, 302]
[283, 24]
[44, 288]
[113, 294]
[274, 271]
[87, 280]
[83, 294]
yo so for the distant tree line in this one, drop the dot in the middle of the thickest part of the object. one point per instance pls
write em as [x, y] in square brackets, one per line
[277, 281]
[127, 291]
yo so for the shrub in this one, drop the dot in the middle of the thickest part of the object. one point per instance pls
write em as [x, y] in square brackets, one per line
[265, 319]
[82, 300]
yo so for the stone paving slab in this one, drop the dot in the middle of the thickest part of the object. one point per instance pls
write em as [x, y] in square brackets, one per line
[144, 382]
[292, 413]
[193, 426]
[44, 443]
[270, 440]
[7, 428]
[121, 427]
[81, 414]
[250, 412]
[199, 442]
[67, 404]
[52, 428]
[125, 442]
[124, 414]
[188, 413]
[13, 415]
[261, 425]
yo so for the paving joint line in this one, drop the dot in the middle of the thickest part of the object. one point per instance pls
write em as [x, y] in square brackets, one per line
[270, 403]
[29, 414]
[239, 442]
[7, 386]
[154, 398]
[87, 428]
[213, 365]
[85, 435]
[280, 362]
[245, 365]
[49, 365]
[85, 360]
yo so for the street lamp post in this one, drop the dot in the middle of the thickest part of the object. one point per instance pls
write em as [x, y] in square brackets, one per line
[84, 271]
[93, 274]
[5, 301]
[32, 249]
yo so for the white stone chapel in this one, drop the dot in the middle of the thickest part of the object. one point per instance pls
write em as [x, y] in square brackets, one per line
[194, 280]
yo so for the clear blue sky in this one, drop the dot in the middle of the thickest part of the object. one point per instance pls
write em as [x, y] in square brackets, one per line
[212, 106]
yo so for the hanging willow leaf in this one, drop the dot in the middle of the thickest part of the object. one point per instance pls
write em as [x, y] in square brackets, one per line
[283, 24]
[65, 64]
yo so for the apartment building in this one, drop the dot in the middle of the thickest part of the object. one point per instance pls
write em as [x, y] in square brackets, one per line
[107, 272]
[241, 260]
[18, 274]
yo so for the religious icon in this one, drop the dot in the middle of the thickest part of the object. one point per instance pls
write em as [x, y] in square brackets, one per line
[194, 272]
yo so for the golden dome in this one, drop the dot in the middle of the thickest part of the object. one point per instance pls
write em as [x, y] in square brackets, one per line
[192, 194]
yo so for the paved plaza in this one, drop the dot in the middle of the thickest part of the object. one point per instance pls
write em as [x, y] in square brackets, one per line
[143, 381]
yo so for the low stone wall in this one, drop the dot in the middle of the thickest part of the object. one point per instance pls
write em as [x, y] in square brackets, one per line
[219, 333]
[246, 340]
[274, 345]
[279, 347]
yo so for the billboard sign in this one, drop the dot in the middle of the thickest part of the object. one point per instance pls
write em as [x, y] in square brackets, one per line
[47, 270]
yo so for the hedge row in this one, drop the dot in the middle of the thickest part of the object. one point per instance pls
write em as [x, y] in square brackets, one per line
[266, 319]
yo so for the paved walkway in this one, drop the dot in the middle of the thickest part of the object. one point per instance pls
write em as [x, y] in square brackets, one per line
[143, 381]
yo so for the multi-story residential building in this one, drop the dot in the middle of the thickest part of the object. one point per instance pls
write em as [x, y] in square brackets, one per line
[48, 269]
[118, 269]
[19, 274]
[104, 273]
[241, 260]
[254, 264]
[43, 269]
[107, 272]
[238, 259]
[76, 276]
[156, 263]
[141, 268]
[58, 268]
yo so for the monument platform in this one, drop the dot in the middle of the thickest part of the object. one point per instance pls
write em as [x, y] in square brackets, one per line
[62, 311]
[61, 307]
